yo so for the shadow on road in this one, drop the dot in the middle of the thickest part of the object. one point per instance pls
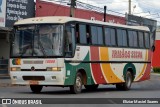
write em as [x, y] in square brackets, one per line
[150, 85]
[84, 91]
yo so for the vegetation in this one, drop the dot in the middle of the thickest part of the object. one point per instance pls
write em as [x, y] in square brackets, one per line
[156, 70]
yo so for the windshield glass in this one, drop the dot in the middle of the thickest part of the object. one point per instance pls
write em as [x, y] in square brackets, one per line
[38, 40]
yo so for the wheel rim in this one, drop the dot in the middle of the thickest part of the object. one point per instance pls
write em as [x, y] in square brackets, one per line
[78, 84]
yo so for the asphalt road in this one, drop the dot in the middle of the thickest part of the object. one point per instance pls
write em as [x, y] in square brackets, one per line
[145, 89]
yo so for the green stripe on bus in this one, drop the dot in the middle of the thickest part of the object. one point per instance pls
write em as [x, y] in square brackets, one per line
[71, 71]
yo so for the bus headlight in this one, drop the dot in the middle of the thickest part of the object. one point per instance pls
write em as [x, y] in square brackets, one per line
[15, 69]
[53, 69]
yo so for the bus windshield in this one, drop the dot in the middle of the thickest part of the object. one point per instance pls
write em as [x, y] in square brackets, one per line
[44, 40]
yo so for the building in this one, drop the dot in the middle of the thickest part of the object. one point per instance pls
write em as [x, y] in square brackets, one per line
[156, 53]
[44, 8]
[11, 11]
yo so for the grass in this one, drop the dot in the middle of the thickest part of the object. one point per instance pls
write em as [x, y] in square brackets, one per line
[156, 70]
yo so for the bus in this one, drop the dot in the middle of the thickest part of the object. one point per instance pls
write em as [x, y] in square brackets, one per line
[72, 52]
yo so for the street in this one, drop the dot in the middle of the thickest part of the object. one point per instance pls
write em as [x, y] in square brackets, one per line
[145, 89]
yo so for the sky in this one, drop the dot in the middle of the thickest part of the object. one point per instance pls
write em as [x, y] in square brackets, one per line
[144, 8]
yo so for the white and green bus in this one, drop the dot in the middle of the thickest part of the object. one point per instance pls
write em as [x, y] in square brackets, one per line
[72, 52]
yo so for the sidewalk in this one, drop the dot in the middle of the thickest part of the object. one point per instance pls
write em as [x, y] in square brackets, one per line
[5, 81]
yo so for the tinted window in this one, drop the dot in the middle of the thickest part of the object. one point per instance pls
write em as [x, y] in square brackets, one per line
[88, 35]
[113, 37]
[124, 37]
[135, 39]
[82, 32]
[107, 36]
[97, 35]
[100, 35]
[110, 37]
[141, 39]
[120, 37]
[132, 36]
[147, 43]
[94, 34]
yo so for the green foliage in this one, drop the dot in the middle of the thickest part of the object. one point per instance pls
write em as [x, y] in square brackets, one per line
[156, 70]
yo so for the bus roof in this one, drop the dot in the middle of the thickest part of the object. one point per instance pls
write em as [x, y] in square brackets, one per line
[65, 19]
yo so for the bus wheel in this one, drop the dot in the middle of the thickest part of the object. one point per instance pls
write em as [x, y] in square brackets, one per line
[127, 84]
[91, 87]
[77, 86]
[36, 88]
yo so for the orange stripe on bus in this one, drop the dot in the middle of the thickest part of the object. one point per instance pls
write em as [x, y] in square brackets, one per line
[106, 68]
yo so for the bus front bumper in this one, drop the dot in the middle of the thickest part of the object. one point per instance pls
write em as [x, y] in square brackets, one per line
[37, 78]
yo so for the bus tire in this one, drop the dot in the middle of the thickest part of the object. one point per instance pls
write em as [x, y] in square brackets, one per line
[36, 88]
[128, 82]
[77, 86]
[91, 87]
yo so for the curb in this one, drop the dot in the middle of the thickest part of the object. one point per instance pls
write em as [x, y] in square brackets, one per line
[10, 85]
[5, 85]
[155, 74]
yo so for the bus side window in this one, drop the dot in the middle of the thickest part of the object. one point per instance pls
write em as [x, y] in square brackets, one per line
[82, 33]
[147, 40]
[141, 39]
[107, 36]
[133, 38]
[94, 35]
[88, 34]
[77, 37]
[77, 33]
[121, 37]
[113, 36]
[69, 41]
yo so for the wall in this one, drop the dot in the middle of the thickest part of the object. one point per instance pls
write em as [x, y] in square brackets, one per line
[4, 49]
[156, 54]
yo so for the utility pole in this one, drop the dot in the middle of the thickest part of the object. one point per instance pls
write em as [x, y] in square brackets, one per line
[105, 8]
[72, 8]
[129, 7]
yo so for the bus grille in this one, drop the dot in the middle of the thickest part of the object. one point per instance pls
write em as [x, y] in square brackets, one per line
[38, 78]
